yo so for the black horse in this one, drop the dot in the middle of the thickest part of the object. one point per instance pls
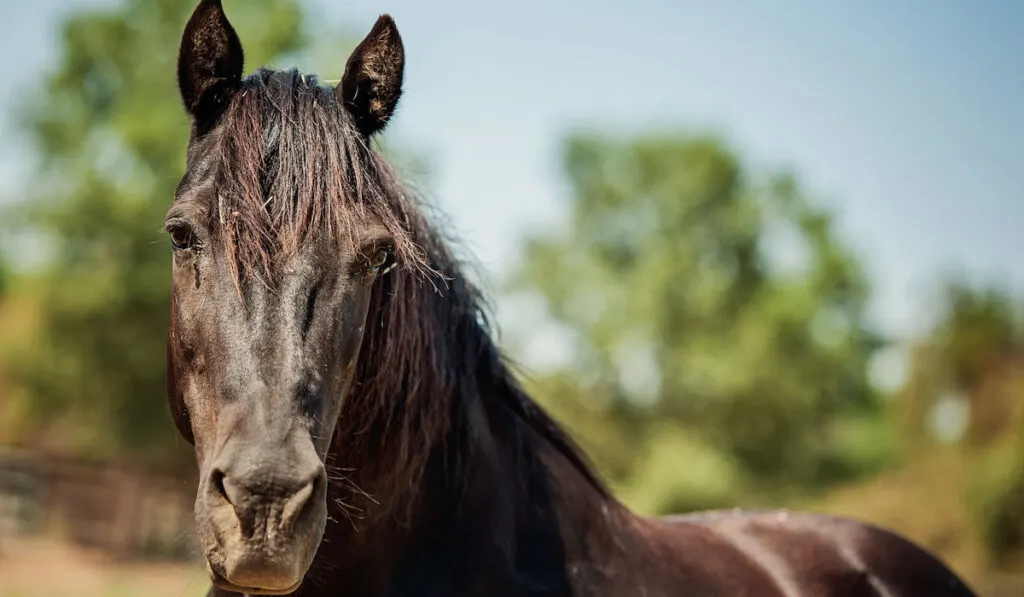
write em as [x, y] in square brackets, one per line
[356, 429]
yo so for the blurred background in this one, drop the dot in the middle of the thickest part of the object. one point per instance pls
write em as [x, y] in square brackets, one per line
[751, 254]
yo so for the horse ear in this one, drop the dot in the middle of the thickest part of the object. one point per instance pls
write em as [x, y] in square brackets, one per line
[209, 62]
[373, 77]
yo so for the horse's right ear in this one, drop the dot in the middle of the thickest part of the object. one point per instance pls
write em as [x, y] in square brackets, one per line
[372, 83]
[209, 63]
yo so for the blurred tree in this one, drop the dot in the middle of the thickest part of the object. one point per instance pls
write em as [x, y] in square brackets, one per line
[110, 131]
[974, 359]
[713, 353]
[982, 342]
[5, 276]
[975, 356]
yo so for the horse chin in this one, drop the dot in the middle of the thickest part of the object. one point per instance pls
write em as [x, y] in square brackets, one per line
[261, 569]
[219, 581]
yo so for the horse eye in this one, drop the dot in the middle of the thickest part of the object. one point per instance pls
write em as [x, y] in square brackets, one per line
[181, 237]
[379, 260]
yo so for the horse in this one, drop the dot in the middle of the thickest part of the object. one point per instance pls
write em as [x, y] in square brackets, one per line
[357, 429]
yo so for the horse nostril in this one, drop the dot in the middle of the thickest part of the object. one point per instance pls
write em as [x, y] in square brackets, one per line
[274, 499]
[217, 482]
[301, 504]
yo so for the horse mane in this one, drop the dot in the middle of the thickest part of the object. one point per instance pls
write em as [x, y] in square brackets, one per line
[294, 166]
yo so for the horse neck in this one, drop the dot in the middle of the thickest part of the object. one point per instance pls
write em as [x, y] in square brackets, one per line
[499, 509]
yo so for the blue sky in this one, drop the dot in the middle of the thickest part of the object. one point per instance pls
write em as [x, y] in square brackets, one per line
[906, 118]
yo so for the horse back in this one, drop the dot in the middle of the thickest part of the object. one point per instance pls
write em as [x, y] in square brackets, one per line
[790, 554]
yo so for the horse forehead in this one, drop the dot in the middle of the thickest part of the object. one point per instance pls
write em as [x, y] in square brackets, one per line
[198, 181]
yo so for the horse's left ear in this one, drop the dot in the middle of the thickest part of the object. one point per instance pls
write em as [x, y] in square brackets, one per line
[209, 63]
[373, 77]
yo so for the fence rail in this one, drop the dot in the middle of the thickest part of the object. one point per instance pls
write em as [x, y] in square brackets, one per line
[125, 512]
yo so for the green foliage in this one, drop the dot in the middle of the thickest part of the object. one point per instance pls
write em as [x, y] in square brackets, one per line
[5, 277]
[980, 328]
[690, 333]
[709, 480]
[111, 134]
[997, 500]
[980, 341]
[975, 355]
